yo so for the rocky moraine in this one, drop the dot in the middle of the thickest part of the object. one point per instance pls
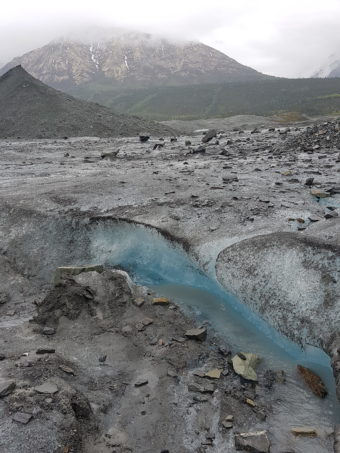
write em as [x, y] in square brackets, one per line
[94, 359]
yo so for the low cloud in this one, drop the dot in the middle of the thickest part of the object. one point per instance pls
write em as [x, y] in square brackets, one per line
[285, 39]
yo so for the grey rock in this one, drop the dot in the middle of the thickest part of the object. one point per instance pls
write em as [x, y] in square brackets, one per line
[209, 135]
[47, 387]
[47, 350]
[141, 382]
[22, 417]
[6, 388]
[198, 388]
[256, 442]
[48, 331]
[227, 179]
[144, 138]
[309, 181]
[110, 155]
[199, 334]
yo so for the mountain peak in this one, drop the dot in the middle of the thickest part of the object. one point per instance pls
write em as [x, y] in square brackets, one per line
[130, 60]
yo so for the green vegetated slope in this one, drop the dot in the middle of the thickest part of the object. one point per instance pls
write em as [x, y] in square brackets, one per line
[263, 97]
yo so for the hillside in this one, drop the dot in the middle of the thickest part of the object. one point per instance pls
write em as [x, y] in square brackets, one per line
[129, 59]
[31, 109]
[267, 97]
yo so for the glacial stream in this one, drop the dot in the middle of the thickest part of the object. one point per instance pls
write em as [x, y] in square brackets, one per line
[153, 261]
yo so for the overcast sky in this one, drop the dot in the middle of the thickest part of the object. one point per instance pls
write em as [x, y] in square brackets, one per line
[288, 38]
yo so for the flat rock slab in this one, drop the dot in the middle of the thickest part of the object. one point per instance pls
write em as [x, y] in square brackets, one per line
[47, 387]
[22, 417]
[72, 271]
[199, 334]
[6, 388]
[256, 442]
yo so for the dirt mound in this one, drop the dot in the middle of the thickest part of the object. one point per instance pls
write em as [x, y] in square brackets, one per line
[92, 292]
[31, 109]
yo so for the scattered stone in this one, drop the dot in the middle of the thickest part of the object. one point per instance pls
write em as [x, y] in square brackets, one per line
[67, 370]
[126, 330]
[157, 146]
[313, 381]
[250, 402]
[215, 373]
[102, 358]
[255, 131]
[172, 373]
[228, 422]
[65, 272]
[109, 155]
[304, 431]
[200, 149]
[147, 321]
[160, 301]
[6, 388]
[201, 388]
[256, 442]
[141, 382]
[45, 351]
[200, 398]
[187, 143]
[314, 218]
[209, 135]
[199, 334]
[139, 301]
[4, 298]
[22, 417]
[331, 215]
[2, 357]
[144, 138]
[319, 193]
[287, 173]
[48, 331]
[309, 182]
[227, 425]
[245, 364]
[47, 387]
[227, 179]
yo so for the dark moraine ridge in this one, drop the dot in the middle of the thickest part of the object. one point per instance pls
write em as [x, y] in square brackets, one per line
[31, 109]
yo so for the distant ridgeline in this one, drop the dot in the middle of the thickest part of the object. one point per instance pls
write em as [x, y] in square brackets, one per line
[139, 74]
[263, 97]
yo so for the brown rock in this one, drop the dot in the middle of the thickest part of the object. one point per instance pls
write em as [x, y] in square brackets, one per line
[304, 431]
[313, 381]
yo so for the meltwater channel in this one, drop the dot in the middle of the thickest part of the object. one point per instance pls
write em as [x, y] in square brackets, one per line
[158, 263]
